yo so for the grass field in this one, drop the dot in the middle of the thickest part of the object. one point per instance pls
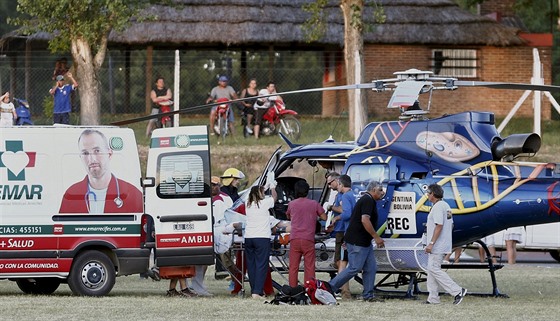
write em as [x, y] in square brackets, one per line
[534, 294]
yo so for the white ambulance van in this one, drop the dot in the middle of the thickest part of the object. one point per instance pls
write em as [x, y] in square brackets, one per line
[74, 207]
[542, 237]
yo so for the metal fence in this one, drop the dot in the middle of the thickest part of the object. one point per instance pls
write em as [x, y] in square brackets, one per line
[123, 77]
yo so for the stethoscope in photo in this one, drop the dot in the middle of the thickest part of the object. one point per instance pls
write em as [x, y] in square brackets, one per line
[118, 200]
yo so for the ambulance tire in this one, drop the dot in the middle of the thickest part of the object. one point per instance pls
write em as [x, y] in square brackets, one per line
[92, 274]
[38, 286]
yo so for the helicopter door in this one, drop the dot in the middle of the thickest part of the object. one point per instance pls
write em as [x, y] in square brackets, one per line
[177, 192]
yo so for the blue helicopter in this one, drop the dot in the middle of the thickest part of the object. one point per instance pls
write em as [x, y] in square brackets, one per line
[486, 187]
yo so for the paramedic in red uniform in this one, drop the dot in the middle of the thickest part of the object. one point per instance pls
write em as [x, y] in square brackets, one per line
[100, 191]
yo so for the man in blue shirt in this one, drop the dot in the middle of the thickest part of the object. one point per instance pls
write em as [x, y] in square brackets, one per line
[62, 99]
[345, 207]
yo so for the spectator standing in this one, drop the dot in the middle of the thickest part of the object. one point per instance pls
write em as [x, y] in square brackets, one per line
[62, 99]
[439, 237]
[358, 237]
[250, 91]
[158, 94]
[491, 244]
[346, 207]
[512, 236]
[223, 90]
[257, 237]
[303, 213]
[7, 111]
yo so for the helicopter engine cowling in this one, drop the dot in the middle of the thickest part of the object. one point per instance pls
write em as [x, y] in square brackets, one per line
[508, 148]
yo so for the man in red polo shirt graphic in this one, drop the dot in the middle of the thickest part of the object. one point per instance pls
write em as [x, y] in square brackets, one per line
[100, 191]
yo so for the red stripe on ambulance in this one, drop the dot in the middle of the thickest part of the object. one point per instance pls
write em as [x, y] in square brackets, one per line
[184, 240]
[63, 243]
[35, 266]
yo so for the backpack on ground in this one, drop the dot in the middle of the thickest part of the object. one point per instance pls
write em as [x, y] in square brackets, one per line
[319, 292]
[291, 296]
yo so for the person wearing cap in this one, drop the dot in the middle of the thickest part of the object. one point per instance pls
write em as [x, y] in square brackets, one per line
[62, 99]
[230, 181]
[223, 90]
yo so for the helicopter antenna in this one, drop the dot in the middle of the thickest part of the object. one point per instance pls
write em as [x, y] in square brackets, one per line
[335, 124]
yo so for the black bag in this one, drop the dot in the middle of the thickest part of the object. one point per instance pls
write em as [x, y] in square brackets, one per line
[291, 296]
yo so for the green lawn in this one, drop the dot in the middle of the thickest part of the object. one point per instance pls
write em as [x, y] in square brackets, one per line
[533, 291]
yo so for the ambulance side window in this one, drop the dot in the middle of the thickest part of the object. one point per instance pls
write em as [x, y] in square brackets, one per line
[183, 175]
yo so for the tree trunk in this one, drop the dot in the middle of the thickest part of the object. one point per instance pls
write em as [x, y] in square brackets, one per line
[88, 83]
[353, 55]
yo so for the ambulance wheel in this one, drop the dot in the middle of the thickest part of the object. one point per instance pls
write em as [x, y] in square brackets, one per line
[92, 274]
[38, 286]
[555, 254]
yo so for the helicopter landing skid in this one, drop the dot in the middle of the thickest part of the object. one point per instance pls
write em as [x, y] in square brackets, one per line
[411, 279]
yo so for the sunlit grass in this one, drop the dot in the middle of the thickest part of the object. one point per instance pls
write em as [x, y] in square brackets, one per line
[533, 292]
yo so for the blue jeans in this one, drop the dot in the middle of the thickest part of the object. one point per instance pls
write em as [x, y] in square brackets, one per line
[257, 251]
[359, 259]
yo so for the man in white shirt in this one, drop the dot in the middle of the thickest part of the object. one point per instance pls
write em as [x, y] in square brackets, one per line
[439, 237]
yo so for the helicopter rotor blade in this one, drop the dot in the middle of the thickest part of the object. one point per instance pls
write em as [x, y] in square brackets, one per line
[505, 85]
[205, 106]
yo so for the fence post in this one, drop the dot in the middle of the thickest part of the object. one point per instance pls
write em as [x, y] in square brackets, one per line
[176, 86]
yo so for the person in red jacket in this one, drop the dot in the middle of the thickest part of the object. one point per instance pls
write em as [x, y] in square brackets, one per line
[100, 191]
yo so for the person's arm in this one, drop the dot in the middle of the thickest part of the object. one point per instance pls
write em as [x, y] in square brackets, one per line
[245, 103]
[53, 89]
[14, 111]
[153, 96]
[274, 194]
[437, 232]
[369, 228]
[210, 96]
[74, 82]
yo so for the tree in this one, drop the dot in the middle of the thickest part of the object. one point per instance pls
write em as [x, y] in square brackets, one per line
[81, 27]
[354, 26]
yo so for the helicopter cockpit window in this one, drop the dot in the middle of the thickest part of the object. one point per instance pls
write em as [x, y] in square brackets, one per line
[361, 174]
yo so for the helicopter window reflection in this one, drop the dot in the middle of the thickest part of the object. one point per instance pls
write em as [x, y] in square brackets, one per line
[361, 174]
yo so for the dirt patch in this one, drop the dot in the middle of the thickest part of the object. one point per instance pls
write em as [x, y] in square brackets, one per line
[250, 160]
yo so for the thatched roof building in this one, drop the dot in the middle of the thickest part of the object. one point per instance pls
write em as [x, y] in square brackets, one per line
[238, 23]
[278, 22]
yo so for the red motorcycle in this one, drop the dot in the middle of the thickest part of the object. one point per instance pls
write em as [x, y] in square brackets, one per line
[278, 119]
[221, 125]
[164, 107]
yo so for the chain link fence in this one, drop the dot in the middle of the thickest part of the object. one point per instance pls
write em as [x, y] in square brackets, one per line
[123, 77]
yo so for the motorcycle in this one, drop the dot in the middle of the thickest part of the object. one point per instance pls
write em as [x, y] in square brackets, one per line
[22, 112]
[221, 125]
[277, 119]
[164, 107]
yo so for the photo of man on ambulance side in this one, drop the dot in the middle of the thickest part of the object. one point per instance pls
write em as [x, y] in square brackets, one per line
[100, 191]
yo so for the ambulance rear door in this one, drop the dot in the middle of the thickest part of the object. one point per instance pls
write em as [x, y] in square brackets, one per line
[178, 197]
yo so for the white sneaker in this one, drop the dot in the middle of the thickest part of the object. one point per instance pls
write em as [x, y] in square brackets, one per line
[249, 130]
